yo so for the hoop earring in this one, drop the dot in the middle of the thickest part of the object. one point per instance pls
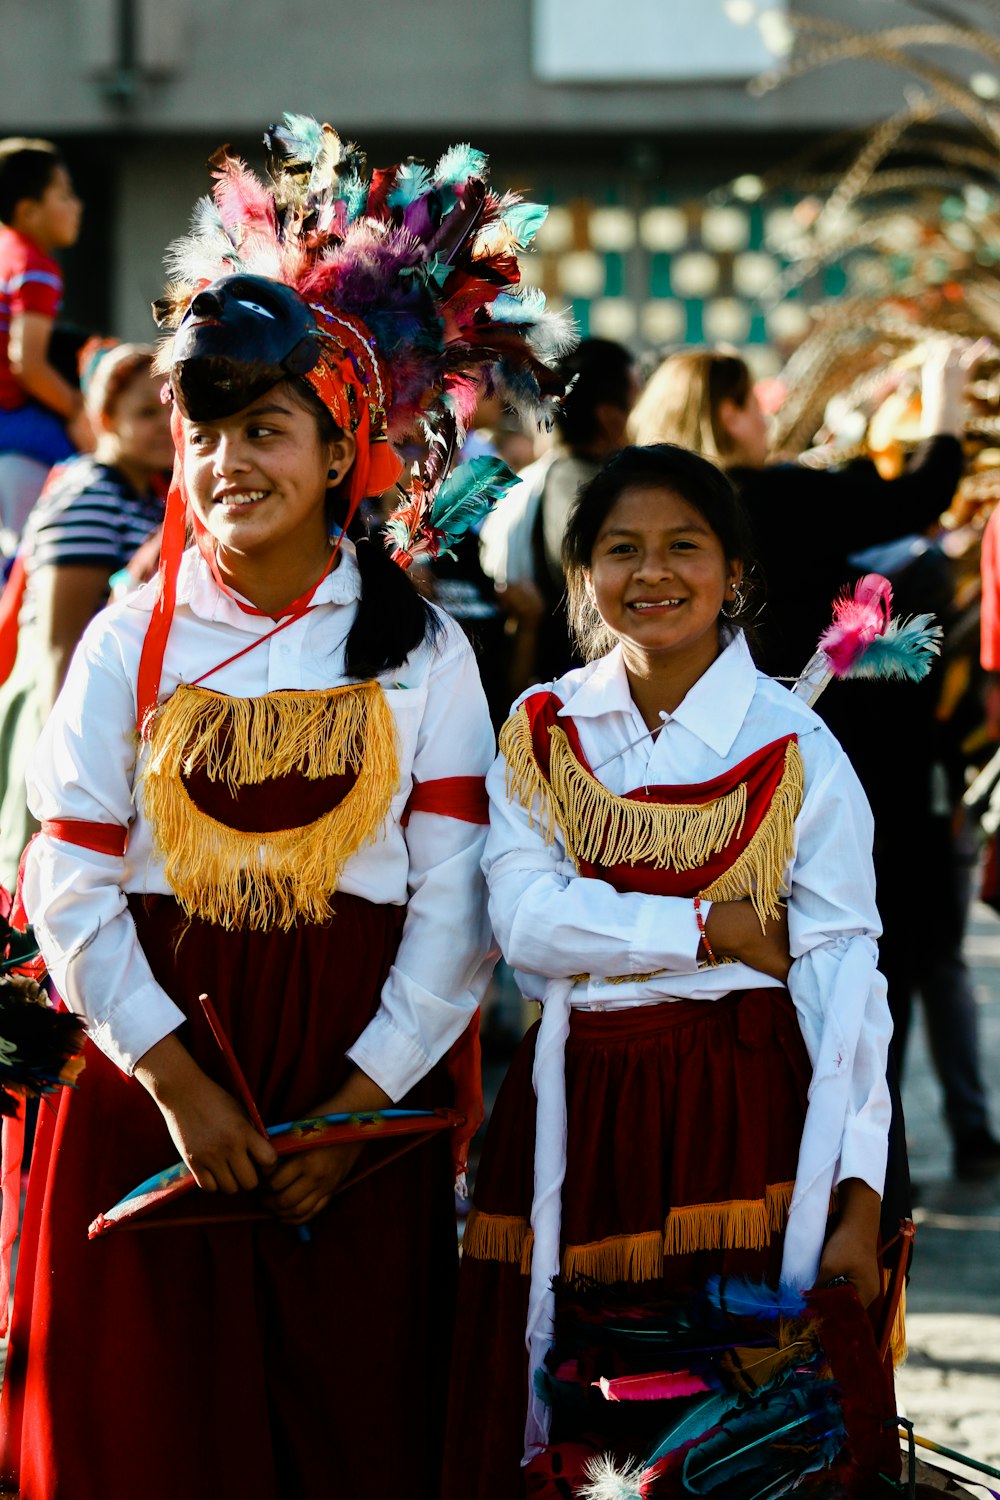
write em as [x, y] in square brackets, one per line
[738, 605]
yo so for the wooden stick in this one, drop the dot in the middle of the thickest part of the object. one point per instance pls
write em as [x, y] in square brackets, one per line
[236, 1072]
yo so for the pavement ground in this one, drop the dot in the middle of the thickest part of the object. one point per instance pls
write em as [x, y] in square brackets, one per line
[949, 1386]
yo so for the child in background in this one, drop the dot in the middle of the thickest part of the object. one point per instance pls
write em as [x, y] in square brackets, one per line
[41, 414]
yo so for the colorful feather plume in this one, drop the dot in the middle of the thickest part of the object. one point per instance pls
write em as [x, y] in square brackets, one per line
[417, 255]
[432, 521]
[858, 618]
[40, 1048]
[670, 1388]
[865, 642]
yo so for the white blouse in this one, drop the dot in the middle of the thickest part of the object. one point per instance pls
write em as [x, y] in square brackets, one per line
[85, 768]
[552, 925]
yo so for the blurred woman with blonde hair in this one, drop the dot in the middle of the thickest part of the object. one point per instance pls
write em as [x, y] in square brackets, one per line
[703, 400]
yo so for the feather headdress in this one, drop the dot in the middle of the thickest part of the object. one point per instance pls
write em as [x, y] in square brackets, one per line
[421, 260]
[411, 281]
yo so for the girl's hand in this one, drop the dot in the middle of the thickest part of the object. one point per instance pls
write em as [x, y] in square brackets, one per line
[222, 1149]
[852, 1248]
[304, 1184]
[734, 931]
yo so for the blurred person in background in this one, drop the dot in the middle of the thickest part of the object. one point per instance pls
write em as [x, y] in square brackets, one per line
[96, 511]
[522, 540]
[41, 413]
[816, 531]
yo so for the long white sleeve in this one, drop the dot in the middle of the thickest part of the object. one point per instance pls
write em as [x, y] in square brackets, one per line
[442, 965]
[85, 767]
[552, 924]
[833, 921]
[82, 770]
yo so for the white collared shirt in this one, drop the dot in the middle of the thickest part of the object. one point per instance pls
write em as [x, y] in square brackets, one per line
[85, 767]
[552, 924]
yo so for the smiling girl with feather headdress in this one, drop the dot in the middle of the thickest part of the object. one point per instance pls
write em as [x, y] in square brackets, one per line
[264, 781]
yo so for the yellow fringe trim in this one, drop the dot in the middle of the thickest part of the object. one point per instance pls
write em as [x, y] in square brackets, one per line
[740, 1224]
[609, 830]
[759, 871]
[524, 778]
[601, 828]
[502, 1237]
[897, 1336]
[621, 1257]
[264, 880]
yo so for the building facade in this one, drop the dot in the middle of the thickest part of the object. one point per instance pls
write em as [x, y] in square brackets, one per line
[627, 117]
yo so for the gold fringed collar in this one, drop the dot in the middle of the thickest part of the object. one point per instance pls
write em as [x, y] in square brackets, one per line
[728, 846]
[257, 879]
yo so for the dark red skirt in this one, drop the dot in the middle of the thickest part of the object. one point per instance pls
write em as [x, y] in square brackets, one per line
[236, 1358]
[684, 1122]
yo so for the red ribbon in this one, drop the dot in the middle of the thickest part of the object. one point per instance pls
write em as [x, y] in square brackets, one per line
[103, 838]
[462, 797]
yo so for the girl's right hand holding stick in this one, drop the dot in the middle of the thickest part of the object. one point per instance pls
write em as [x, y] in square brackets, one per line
[221, 1147]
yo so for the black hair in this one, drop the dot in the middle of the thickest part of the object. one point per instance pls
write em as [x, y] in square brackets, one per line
[659, 466]
[393, 619]
[27, 168]
[596, 371]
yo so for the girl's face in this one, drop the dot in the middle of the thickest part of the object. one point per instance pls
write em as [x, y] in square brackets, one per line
[140, 424]
[258, 480]
[659, 577]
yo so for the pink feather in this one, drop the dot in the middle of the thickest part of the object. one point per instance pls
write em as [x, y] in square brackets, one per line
[242, 199]
[857, 619]
[663, 1385]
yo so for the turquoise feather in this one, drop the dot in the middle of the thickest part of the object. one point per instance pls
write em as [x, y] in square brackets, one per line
[458, 164]
[524, 220]
[301, 136]
[906, 651]
[467, 495]
[697, 1420]
[412, 181]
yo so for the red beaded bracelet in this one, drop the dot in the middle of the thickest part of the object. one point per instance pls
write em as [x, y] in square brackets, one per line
[709, 950]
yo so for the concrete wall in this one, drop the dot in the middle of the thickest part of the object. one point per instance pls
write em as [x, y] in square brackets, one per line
[400, 76]
[377, 64]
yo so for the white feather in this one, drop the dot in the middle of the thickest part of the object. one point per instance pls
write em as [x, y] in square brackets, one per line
[605, 1481]
[554, 334]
